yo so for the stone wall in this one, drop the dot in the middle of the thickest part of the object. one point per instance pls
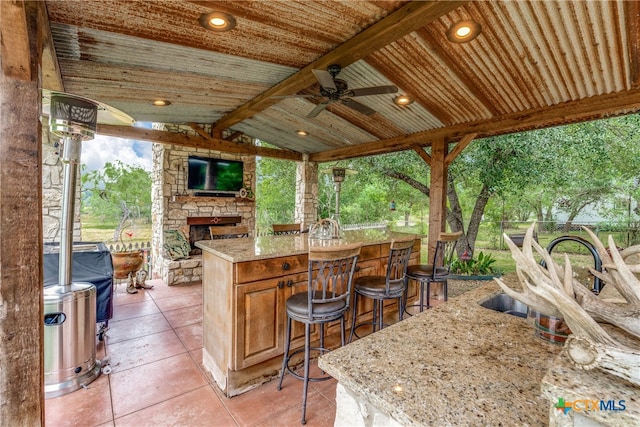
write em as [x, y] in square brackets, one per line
[52, 182]
[172, 204]
[306, 192]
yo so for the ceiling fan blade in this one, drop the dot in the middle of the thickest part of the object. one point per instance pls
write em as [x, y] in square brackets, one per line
[325, 80]
[358, 107]
[376, 90]
[318, 108]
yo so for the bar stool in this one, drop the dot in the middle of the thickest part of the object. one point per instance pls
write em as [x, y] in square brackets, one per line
[280, 229]
[325, 300]
[381, 288]
[425, 274]
[228, 231]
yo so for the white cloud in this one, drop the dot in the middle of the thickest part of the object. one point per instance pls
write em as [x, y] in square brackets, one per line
[103, 149]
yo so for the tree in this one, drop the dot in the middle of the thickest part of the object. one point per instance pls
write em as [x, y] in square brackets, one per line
[275, 192]
[117, 193]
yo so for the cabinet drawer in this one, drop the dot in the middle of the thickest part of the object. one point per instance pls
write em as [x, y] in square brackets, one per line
[251, 271]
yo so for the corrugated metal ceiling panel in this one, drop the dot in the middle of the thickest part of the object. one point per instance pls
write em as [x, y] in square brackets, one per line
[530, 55]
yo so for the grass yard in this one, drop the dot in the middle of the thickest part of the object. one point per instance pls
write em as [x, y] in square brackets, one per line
[95, 230]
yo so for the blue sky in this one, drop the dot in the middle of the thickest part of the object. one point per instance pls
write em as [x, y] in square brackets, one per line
[103, 149]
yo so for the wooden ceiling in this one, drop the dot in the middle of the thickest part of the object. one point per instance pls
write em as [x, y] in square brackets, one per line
[535, 64]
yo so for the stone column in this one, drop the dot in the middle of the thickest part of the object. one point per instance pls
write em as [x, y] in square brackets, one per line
[306, 192]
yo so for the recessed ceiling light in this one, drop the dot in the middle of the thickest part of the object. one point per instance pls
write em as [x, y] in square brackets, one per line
[463, 31]
[160, 102]
[302, 132]
[217, 21]
[403, 100]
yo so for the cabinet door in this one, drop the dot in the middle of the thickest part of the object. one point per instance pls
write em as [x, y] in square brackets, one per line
[259, 328]
[261, 316]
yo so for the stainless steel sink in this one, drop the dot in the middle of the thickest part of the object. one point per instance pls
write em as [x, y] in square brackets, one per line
[505, 304]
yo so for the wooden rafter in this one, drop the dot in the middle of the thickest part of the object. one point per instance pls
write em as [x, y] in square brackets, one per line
[593, 108]
[195, 142]
[398, 24]
[632, 15]
[459, 148]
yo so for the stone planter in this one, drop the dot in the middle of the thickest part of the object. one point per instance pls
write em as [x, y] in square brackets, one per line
[126, 262]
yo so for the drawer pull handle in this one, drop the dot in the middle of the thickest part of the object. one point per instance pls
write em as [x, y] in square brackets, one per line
[286, 266]
[281, 284]
[289, 283]
[357, 268]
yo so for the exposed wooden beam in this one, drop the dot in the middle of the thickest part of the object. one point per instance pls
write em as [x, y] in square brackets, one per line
[163, 137]
[51, 75]
[632, 16]
[593, 108]
[423, 154]
[199, 130]
[21, 260]
[16, 62]
[403, 21]
[459, 147]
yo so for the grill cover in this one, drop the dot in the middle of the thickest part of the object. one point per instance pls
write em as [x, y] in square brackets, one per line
[91, 263]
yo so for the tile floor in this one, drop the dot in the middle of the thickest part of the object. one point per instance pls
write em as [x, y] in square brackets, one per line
[154, 343]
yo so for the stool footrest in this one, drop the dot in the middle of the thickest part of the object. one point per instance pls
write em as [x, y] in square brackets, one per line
[301, 377]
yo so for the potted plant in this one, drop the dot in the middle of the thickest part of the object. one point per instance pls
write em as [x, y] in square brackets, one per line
[128, 262]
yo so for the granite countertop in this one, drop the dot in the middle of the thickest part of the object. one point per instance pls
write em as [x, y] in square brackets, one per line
[457, 364]
[264, 247]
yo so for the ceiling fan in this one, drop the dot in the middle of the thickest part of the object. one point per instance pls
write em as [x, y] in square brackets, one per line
[333, 90]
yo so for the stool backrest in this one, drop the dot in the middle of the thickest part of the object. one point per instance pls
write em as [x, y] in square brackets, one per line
[228, 231]
[330, 272]
[279, 229]
[445, 248]
[399, 254]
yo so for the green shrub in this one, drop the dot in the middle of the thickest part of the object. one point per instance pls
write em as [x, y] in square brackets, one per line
[481, 265]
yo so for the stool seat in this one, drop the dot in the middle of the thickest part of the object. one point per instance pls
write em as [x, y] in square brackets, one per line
[298, 307]
[426, 270]
[425, 274]
[380, 288]
[375, 286]
[329, 285]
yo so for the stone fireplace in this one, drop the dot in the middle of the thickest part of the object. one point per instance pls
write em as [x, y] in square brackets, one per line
[199, 228]
[175, 207]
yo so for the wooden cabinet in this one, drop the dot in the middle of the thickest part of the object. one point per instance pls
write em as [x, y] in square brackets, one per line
[261, 319]
[244, 313]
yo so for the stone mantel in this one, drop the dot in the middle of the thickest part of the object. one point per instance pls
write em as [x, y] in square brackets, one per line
[214, 220]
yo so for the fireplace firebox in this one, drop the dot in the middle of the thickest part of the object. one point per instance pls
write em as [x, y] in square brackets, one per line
[199, 228]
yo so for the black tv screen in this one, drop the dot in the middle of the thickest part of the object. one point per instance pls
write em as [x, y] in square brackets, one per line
[208, 174]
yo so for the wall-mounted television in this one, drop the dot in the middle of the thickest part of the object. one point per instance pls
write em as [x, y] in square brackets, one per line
[215, 175]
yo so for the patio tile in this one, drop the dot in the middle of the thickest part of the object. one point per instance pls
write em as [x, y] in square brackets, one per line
[152, 383]
[191, 336]
[149, 348]
[184, 316]
[200, 407]
[137, 309]
[179, 301]
[89, 406]
[122, 330]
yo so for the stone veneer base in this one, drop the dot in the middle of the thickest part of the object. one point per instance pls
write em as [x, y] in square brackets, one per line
[181, 272]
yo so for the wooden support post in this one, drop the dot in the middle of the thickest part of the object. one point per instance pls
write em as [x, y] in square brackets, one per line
[21, 307]
[437, 194]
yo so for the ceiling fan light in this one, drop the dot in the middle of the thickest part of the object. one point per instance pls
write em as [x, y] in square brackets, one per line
[217, 21]
[160, 102]
[463, 31]
[403, 100]
[302, 132]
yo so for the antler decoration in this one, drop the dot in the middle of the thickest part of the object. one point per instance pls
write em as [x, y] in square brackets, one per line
[552, 290]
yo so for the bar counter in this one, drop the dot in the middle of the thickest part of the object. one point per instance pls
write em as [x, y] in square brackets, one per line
[456, 364]
[265, 247]
[246, 283]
